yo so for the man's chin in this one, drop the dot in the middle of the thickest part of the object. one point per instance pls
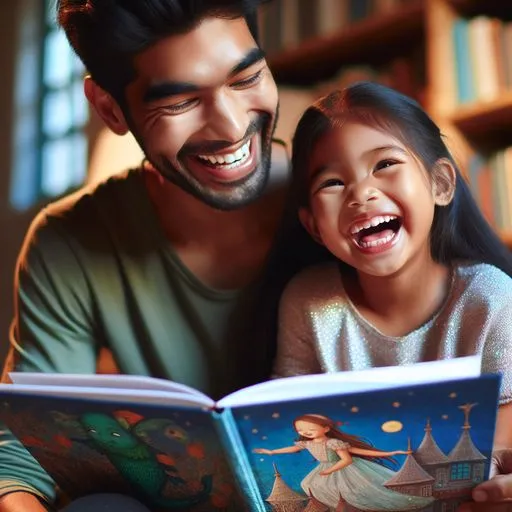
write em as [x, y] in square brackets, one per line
[233, 196]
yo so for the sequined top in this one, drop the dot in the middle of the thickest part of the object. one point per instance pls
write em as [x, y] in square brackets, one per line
[321, 331]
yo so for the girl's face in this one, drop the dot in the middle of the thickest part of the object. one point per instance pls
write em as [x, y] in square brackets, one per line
[371, 202]
[310, 430]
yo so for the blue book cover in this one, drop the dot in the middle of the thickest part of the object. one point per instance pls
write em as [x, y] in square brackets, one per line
[387, 439]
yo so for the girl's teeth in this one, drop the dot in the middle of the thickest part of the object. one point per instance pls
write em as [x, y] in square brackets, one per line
[379, 241]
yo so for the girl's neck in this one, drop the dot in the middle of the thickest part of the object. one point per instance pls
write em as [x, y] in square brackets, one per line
[397, 305]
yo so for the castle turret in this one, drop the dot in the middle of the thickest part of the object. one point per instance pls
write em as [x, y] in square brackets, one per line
[428, 452]
[284, 499]
[411, 479]
[432, 459]
[467, 463]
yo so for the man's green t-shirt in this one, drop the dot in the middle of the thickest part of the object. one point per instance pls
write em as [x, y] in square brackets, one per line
[96, 271]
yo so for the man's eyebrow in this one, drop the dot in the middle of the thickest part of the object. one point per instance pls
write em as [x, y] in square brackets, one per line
[163, 90]
[254, 55]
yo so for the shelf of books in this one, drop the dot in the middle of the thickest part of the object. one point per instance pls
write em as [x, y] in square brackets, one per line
[453, 56]
[368, 34]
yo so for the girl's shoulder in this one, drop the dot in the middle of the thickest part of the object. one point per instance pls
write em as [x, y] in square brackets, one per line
[316, 283]
[483, 281]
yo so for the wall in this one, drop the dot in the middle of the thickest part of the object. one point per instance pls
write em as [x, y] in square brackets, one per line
[12, 224]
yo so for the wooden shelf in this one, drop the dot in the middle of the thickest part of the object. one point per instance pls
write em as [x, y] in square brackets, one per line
[501, 8]
[488, 123]
[370, 41]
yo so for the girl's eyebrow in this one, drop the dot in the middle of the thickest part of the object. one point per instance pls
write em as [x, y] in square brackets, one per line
[322, 168]
[317, 171]
[386, 147]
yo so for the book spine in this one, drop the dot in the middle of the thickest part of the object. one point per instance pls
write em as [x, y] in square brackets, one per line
[236, 455]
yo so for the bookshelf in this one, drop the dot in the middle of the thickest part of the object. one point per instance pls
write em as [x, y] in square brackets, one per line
[371, 41]
[424, 32]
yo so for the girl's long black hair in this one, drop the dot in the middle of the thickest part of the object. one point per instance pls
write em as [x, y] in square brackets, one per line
[459, 230]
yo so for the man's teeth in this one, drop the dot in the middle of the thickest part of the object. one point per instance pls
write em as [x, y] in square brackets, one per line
[238, 157]
[375, 221]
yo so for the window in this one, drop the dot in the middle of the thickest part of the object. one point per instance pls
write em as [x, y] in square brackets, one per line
[51, 112]
[460, 471]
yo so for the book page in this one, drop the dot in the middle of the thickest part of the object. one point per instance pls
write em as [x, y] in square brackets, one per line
[104, 381]
[310, 386]
[134, 396]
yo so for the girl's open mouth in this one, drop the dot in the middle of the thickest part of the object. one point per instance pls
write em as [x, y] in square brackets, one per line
[378, 232]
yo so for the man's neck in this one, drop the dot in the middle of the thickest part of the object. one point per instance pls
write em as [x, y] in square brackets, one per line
[224, 249]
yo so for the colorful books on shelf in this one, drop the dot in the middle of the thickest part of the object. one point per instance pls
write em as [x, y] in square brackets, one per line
[396, 438]
[490, 179]
[482, 49]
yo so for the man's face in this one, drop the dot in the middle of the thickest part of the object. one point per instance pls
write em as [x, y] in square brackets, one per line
[204, 107]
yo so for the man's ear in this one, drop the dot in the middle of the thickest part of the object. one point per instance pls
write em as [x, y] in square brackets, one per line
[309, 224]
[444, 178]
[106, 107]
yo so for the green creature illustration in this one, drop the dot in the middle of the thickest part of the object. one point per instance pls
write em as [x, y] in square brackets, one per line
[137, 463]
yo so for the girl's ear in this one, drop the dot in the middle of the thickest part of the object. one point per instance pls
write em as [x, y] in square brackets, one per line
[309, 224]
[106, 107]
[444, 178]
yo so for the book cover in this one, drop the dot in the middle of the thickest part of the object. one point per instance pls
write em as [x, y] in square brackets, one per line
[168, 458]
[352, 441]
[444, 430]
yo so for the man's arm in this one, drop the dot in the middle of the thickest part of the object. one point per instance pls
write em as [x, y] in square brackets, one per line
[21, 502]
[51, 332]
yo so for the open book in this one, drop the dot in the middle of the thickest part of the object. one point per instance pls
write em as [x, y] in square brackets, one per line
[396, 438]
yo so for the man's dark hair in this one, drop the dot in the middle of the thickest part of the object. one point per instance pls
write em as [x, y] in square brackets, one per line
[107, 34]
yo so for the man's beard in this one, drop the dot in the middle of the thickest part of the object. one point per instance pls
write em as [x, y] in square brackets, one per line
[236, 194]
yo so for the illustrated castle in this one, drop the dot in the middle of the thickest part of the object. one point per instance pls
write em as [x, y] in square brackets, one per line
[425, 472]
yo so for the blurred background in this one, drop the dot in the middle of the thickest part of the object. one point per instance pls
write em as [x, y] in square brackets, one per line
[453, 56]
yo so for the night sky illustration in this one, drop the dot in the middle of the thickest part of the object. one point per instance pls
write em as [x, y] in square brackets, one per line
[403, 411]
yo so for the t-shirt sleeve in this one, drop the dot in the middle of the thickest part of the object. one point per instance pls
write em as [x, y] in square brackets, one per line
[52, 326]
[497, 350]
[296, 352]
[51, 332]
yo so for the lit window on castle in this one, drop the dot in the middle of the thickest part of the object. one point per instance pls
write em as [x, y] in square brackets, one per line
[460, 471]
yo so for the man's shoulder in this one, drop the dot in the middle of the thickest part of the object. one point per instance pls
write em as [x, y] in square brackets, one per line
[81, 216]
[91, 196]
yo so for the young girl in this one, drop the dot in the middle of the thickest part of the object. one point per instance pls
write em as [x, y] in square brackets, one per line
[399, 266]
[349, 467]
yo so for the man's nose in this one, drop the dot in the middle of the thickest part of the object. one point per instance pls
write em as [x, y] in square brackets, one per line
[228, 119]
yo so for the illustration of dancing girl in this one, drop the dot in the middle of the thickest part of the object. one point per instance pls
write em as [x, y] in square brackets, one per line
[349, 467]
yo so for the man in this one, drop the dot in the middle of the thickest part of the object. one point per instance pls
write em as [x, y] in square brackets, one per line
[156, 265]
